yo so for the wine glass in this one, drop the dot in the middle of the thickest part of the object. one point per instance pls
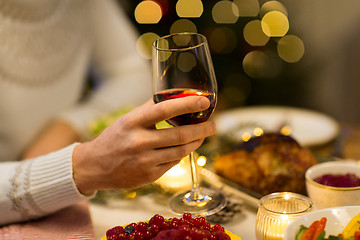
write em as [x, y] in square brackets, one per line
[182, 67]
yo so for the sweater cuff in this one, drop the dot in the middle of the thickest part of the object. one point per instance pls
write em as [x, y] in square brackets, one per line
[51, 184]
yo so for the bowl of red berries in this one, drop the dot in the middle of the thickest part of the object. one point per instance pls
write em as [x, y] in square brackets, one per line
[161, 228]
[334, 184]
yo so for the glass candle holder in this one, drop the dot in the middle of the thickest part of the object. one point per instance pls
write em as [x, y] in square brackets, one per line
[276, 211]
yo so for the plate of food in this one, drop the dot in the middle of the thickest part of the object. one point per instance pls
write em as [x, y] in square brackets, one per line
[338, 223]
[160, 228]
[264, 164]
[308, 127]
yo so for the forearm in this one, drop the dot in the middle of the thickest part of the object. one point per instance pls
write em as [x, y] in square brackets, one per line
[37, 187]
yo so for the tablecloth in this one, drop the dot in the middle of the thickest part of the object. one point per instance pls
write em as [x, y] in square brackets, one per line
[73, 222]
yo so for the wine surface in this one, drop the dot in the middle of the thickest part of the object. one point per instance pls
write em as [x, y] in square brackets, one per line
[189, 118]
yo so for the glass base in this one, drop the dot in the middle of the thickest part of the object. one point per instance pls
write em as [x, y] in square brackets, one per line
[204, 203]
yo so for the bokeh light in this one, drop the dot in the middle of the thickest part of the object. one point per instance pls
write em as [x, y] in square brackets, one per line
[225, 12]
[201, 161]
[246, 136]
[290, 48]
[183, 25]
[189, 8]
[272, 6]
[275, 24]
[186, 62]
[236, 88]
[286, 130]
[258, 132]
[148, 12]
[258, 64]
[254, 35]
[248, 8]
[144, 44]
[222, 40]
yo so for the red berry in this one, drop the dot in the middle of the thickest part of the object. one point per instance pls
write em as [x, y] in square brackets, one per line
[197, 222]
[154, 229]
[164, 225]
[142, 227]
[138, 236]
[222, 236]
[185, 230]
[217, 228]
[207, 226]
[156, 219]
[114, 232]
[212, 237]
[187, 216]
[147, 235]
[123, 236]
[202, 220]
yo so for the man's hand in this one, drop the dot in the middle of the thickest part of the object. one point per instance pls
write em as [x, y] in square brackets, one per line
[132, 152]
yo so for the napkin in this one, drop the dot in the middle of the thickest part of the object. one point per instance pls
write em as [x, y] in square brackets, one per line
[73, 222]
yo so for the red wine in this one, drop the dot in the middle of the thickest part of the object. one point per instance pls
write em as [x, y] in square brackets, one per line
[189, 118]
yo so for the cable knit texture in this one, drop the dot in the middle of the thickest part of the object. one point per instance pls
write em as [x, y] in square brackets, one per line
[39, 186]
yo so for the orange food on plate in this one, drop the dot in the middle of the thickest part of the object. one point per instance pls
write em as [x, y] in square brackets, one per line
[269, 163]
[160, 228]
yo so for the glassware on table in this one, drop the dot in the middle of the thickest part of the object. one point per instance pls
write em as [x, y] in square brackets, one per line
[182, 66]
[276, 211]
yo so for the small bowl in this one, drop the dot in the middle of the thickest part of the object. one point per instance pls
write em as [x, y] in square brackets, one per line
[326, 196]
[337, 219]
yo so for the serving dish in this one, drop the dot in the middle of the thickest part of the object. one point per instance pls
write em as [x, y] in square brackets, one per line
[325, 196]
[337, 219]
[308, 127]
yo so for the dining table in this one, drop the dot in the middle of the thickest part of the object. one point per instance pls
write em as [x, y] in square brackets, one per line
[143, 208]
[91, 219]
[124, 211]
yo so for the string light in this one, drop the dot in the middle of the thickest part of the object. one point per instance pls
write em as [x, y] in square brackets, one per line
[144, 44]
[272, 6]
[148, 12]
[248, 8]
[254, 35]
[290, 48]
[183, 25]
[275, 24]
[189, 8]
[225, 12]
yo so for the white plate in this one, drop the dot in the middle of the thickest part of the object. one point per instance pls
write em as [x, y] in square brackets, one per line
[337, 219]
[309, 128]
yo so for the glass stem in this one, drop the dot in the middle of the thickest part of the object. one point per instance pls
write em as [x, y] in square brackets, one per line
[195, 192]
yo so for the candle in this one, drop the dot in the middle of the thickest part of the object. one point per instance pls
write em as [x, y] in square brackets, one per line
[178, 178]
[276, 211]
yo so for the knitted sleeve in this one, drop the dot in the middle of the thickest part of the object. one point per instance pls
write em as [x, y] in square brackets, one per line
[37, 187]
[124, 77]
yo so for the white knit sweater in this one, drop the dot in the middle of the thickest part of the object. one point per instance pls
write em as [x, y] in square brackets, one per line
[46, 50]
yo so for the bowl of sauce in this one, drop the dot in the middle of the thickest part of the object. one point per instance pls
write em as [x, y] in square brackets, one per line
[334, 184]
[339, 180]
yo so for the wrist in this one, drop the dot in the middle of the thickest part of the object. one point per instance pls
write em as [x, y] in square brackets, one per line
[82, 172]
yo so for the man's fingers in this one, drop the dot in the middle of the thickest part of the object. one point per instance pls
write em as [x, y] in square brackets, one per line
[171, 108]
[169, 137]
[165, 155]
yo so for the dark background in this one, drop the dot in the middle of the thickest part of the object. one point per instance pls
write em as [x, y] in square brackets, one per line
[315, 82]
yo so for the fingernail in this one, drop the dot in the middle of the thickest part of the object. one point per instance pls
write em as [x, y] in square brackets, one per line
[204, 103]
